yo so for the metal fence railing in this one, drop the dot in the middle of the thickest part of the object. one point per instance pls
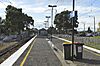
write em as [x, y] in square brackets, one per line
[89, 41]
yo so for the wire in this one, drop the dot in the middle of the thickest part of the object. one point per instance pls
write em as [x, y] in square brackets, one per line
[91, 8]
[60, 1]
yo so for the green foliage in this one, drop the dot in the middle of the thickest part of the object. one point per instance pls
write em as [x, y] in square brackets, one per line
[16, 21]
[89, 30]
[52, 30]
[98, 37]
[98, 29]
[0, 19]
[63, 21]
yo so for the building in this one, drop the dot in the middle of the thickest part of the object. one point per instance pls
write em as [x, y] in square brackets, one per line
[43, 32]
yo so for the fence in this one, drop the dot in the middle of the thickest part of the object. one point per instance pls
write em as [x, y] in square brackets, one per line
[89, 41]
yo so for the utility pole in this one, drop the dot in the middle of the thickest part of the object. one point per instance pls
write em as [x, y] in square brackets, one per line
[83, 25]
[73, 31]
[94, 22]
[52, 6]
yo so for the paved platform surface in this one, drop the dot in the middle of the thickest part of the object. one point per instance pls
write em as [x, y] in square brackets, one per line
[89, 58]
[40, 55]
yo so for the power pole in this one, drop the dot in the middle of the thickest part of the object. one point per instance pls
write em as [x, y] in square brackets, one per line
[94, 24]
[73, 32]
[83, 26]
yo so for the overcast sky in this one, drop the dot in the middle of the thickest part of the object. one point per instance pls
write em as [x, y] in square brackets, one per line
[38, 9]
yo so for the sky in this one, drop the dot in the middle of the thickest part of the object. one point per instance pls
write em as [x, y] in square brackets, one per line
[38, 9]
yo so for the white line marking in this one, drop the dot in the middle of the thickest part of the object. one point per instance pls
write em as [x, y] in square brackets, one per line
[89, 48]
[12, 59]
[92, 49]
[62, 39]
[59, 54]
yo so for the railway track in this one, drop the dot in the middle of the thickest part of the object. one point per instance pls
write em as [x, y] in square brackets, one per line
[4, 54]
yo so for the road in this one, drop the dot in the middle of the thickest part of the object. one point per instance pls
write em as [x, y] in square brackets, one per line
[39, 53]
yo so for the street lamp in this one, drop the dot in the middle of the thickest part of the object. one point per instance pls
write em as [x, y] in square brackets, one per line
[52, 6]
[45, 23]
[47, 16]
[48, 19]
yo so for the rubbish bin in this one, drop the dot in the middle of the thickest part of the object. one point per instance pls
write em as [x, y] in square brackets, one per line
[79, 50]
[67, 50]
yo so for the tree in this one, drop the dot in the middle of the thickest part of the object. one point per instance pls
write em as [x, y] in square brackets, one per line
[16, 21]
[99, 27]
[52, 30]
[2, 26]
[89, 30]
[0, 19]
[63, 21]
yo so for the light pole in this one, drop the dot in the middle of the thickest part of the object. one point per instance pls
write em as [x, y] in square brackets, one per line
[52, 6]
[45, 23]
[48, 19]
[94, 22]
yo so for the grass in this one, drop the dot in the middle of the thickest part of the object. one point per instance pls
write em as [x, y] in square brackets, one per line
[96, 37]
[93, 45]
[5, 45]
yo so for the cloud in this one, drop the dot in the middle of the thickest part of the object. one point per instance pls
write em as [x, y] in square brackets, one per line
[2, 15]
[35, 10]
[3, 5]
[40, 7]
[39, 1]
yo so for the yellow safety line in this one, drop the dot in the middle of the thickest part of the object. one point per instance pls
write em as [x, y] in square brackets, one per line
[23, 61]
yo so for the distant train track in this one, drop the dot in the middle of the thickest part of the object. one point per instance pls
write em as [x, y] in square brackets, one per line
[11, 49]
[2, 52]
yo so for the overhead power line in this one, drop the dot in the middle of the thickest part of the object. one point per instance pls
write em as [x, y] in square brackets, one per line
[60, 1]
